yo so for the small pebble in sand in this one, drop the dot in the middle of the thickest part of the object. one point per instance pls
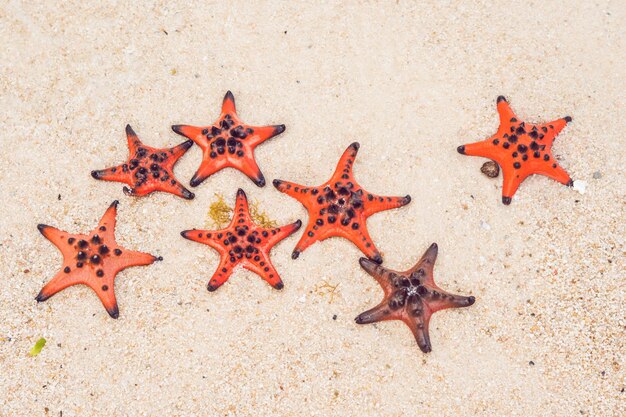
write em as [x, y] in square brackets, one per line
[597, 175]
[580, 186]
[490, 169]
[334, 317]
[484, 225]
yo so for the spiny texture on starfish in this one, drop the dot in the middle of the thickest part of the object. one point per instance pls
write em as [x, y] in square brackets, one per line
[243, 243]
[228, 143]
[147, 169]
[93, 260]
[340, 207]
[411, 296]
[521, 149]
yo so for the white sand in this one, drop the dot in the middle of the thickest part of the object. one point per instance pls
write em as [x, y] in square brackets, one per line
[410, 82]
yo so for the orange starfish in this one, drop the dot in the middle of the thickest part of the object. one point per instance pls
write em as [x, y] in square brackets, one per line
[521, 149]
[411, 296]
[243, 243]
[93, 260]
[340, 207]
[228, 143]
[147, 169]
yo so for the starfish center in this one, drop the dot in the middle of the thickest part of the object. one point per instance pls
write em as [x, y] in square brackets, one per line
[226, 136]
[340, 202]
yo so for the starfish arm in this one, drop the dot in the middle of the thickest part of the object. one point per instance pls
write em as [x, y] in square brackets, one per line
[362, 240]
[228, 104]
[379, 273]
[179, 150]
[483, 148]
[381, 312]
[59, 282]
[249, 167]
[176, 188]
[263, 133]
[192, 132]
[106, 294]
[116, 173]
[443, 300]
[139, 191]
[510, 183]
[221, 275]
[278, 234]
[504, 111]
[344, 166]
[425, 266]
[241, 210]
[133, 140]
[557, 173]
[377, 204]
[54, 235]
[130, 258]
[552, 129]
[419, 326]
[207, 237]
[293, 190]
[206, 170]
[267, 271]
[309, 237]
[107, 223]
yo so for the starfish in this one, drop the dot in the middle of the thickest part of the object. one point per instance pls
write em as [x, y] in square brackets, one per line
[147, 169]
[411, 296]
[228, 143]
[243, 243]
[521, 149]
[93, 260]
[340, 207]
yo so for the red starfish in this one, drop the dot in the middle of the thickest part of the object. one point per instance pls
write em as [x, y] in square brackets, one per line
[93, 260]
[340, 207]
[147, 169]
[521, 149]
[411, 296]
[243, 243]
[228, 143]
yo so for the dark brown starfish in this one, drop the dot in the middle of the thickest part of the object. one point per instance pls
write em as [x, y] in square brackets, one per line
[411, 296]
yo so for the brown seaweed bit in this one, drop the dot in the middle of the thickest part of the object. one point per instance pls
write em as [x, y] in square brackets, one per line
[325, 289]
[261, 217]
[220, 212]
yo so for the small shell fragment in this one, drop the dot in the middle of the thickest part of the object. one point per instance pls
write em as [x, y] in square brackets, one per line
[490, 169]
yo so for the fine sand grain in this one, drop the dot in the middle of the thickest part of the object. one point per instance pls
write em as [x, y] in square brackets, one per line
[410, 81]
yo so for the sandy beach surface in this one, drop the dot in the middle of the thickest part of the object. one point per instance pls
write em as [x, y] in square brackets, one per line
[410, 81]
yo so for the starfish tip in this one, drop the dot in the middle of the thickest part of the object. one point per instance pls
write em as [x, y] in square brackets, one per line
[187, 144]
[279, 286]
[211, 288]
[407, 199]
[41, 298]
[42, 227]
[113, 312]
[260, 181]
[95, 174]
[471, 300]
[461, 149]
[158, 258]
[229, 96]
[297, 224]
[570, 183]
[184, 233]
[115, 203]
[295, 254]
[241, 193]
[355, 145]
[178, 129]
[195, 181]
[188, 195]
[500, 98]
[277, 183]
[567, 119]
[506, 200]
[278, 129]
[426, 349]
